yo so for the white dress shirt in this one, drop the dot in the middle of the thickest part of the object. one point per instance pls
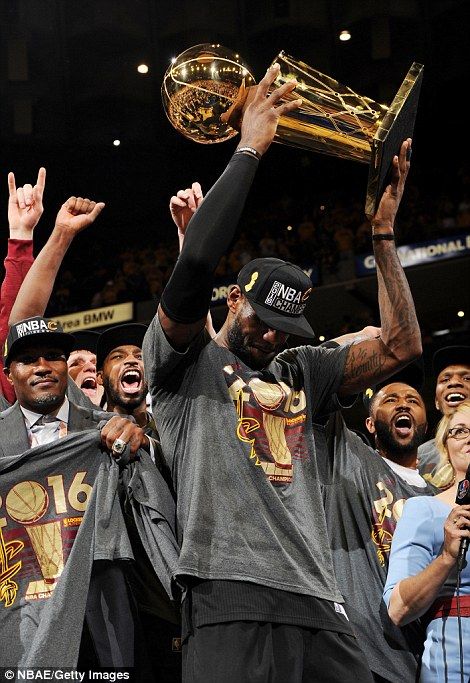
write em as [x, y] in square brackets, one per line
[44, 429]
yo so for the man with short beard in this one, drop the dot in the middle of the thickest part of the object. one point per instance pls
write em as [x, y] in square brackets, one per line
[236, 432]
[121, 373]
[364, 492]
[451, 368]
[35, 363]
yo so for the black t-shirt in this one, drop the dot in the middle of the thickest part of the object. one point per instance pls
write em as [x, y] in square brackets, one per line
[213, 602]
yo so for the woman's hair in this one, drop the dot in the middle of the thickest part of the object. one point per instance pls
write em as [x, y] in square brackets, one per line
[443, 428]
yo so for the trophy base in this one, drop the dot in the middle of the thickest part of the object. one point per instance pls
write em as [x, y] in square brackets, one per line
[397, 125]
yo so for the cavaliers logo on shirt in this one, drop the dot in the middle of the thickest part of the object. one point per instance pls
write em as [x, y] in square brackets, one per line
[271, 419]
[384, 516]
[38, 533]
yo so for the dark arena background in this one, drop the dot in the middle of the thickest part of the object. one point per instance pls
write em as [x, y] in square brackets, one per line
[73, 99]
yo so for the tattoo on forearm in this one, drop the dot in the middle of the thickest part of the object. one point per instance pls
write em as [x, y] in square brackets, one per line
[370, 362]
[360, 362]
[396, 302]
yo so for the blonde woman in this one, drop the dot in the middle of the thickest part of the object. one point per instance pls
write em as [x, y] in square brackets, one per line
[422, 574]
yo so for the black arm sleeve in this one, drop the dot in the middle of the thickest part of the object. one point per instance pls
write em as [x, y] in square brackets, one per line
[187, 296]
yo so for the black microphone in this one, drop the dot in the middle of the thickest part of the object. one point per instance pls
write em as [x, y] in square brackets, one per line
[463, 498]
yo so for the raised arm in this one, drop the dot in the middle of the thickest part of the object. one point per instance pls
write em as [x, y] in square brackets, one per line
[186, 298]
[24, 211]
[74, 216]
[183, 206]
[368, 332]
[369, 362]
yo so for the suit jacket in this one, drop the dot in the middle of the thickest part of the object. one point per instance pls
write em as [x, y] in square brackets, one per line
[107, 584]
[14, 435]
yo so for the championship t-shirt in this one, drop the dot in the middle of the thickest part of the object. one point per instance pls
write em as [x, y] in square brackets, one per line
[240, 447]
[364, 499]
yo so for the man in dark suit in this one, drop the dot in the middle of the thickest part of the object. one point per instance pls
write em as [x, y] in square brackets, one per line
[121, 373]
[35, 359]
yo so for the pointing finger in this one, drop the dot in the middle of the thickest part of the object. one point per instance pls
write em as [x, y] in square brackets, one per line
[191, 201]
[197, 189]
[12, 184]
[41, 181]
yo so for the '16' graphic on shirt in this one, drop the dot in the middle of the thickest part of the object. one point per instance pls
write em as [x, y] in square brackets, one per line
[37, 534]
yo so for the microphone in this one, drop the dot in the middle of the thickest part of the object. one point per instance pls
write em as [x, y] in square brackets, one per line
[463, 498]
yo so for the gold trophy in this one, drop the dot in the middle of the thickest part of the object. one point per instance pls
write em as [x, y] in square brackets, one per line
[26, 503]
[205, 86]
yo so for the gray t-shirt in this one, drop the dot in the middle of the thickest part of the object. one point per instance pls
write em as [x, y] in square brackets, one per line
[240, 447]
[364, 499]
[50, 543]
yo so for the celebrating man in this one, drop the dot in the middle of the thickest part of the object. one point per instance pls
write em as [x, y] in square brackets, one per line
[235, 419]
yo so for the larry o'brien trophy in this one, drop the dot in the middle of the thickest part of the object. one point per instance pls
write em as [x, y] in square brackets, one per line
[205, 84]
[26, 503]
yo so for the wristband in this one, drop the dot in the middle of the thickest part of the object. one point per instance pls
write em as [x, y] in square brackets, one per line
[250, 150]
[383, 236]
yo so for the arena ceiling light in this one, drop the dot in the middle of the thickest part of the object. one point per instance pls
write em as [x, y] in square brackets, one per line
[143, 69]
[116, 143]
[461, 314]
[345, 35]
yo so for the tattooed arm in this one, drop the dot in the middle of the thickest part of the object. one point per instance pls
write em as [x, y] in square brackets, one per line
[371, 361]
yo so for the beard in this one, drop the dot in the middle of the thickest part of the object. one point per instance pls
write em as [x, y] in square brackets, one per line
[48, 401]
[390, 444]
[127, 403]
[239, 345]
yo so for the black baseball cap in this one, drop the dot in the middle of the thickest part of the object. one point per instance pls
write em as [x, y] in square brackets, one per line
[86, 340]
[450, 355]
[121, 335]
[277, 291]
[412, 374]
[35, 330]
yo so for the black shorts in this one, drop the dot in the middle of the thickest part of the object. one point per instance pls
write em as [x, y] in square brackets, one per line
[266, 652]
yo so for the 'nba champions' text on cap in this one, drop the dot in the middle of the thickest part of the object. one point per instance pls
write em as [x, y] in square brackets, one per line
[278, 292]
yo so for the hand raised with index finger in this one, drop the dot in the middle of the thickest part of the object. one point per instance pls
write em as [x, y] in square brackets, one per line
[184, 204]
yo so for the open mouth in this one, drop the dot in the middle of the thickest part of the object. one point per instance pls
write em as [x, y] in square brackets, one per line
[403, 425]
[88, 386]
[131, 381]
[454, 398]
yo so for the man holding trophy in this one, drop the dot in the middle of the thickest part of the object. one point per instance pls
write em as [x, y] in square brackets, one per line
[235, 419]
